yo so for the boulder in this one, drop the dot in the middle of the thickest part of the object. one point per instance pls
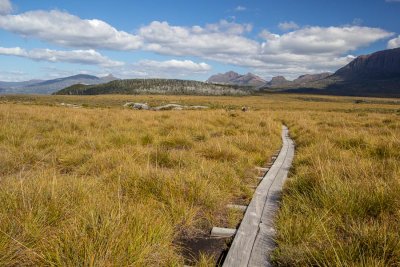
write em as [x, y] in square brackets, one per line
[169, 107]
[137, 105]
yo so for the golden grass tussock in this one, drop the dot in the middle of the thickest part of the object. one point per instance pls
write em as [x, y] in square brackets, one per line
[341, 205]
[117, 187]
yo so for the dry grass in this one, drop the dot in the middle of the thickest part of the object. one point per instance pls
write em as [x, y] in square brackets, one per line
[103, 186]
[100, 187]
[341, 206]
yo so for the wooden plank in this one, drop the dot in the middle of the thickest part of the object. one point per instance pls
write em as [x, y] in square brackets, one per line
[253, 241]
[262, 169]
[264, 243]
[222, 232]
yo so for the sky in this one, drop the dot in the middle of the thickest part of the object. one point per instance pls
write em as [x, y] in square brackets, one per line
[184, 39]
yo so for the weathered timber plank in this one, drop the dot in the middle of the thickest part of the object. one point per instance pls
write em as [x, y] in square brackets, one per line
[222, 232]
[253, 241]
[262, 169]
[264, 243]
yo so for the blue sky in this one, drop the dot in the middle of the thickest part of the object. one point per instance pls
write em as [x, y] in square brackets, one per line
[190, 39]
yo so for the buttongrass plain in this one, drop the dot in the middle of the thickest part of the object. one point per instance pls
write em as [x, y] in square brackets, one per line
[118, 187]
[101, 185]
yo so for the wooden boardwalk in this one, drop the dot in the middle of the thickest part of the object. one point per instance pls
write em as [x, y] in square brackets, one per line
[254, 240]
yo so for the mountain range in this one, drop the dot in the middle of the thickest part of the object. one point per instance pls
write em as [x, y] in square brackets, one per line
[280, 81]
[250, 79]
[376, 74]
[51, 86]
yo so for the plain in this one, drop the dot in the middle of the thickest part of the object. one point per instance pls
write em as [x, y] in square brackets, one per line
[96, 184]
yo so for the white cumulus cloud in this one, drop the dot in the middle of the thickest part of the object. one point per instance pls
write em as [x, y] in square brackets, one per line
[206, 41]
[267, 35]
[89, 57]
[173, 65]
[324, 40]
[5, 7]
[394, 43]
[69, 30]
[173, 68]
[313, 49]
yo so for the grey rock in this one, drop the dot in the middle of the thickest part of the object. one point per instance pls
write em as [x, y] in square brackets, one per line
[145, 106]
[137, 105]
[169, 107]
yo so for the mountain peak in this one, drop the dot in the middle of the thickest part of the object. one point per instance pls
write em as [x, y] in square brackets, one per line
[234, 78]
[278, 81]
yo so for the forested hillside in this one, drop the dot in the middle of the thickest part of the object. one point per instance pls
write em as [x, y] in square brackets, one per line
[155, 86]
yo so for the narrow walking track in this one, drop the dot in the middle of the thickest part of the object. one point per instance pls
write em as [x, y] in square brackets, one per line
[254, 240]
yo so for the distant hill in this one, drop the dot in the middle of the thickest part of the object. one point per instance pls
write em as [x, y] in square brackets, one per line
[376, 74]
[234, 78]
[281, 82]
[155, 86]
[51, 86]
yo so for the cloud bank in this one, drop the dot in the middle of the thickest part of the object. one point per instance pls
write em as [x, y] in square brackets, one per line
[5, 7]
[68, 30]
[297, 51]
[173, 68]
[89, 57]
[306, 50]
[214, 39]
[174, 65]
